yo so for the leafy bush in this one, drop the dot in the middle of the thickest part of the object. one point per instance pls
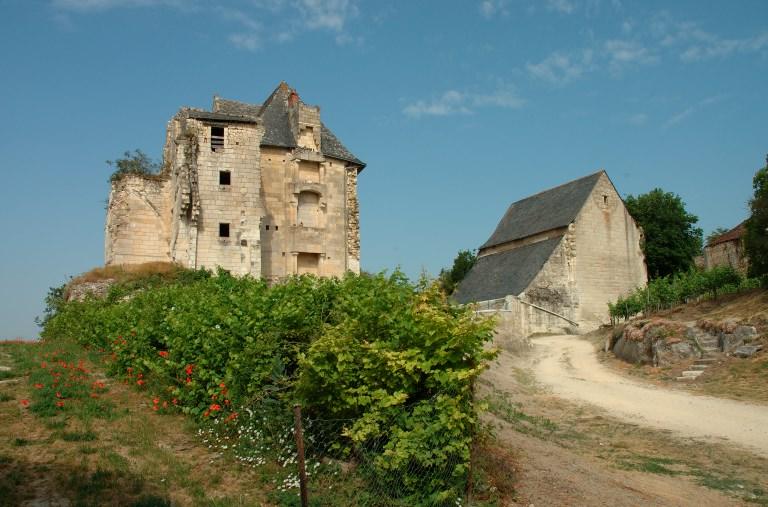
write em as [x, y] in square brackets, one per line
[395, 360]
[665, 292]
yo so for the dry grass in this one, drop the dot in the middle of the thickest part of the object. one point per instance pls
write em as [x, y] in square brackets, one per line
[133, 457]
[128, 272]
[592, 432]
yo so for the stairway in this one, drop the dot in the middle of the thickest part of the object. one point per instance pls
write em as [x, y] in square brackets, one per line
[710, 348]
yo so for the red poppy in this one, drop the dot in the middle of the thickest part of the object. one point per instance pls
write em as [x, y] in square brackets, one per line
[140, 382]
[38, 386]
[58, 395]
[24, 403]
[60, 404]
[215, 407]
[163, 353]
[156, 401]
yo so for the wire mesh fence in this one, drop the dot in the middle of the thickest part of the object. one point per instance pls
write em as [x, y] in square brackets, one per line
[338, 469]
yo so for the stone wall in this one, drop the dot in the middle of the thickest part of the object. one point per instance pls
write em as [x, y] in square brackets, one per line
[727, 253]
[138, 221]
[608, 261]
[353, 221]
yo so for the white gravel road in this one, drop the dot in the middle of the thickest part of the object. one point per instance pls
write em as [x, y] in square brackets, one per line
[569, 366]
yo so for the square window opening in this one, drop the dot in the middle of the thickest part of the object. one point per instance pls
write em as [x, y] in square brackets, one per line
[225, 178]
[223, 230]
[217, 138]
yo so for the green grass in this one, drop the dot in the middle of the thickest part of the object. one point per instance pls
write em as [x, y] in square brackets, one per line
[538, 426]
[6, 397]
[78, 436]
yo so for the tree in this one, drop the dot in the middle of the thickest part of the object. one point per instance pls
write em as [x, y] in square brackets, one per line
[671, 238]
[716, 233]
[463, 262]
[756, 236]
[137, 162]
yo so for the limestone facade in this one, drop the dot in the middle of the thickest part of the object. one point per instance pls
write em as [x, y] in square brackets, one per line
[265, 190]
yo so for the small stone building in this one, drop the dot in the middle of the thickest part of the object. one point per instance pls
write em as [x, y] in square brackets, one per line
[260, 189]
[557, 258]
[727, 250]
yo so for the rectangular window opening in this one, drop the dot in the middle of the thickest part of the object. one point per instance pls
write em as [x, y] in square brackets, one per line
[266, 227]
[217, 138]
[223, 230]
[275, 227]
[225, 178]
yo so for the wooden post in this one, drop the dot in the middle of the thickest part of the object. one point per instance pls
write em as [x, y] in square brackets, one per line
[300, 451]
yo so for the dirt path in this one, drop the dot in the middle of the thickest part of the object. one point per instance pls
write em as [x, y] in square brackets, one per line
[568, 365]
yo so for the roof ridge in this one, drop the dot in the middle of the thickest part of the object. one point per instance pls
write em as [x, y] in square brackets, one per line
[548, 209]
[559, 186]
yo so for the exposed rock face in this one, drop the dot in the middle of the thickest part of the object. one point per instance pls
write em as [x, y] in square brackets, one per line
[658, 342]
[98, 289]
[729, 342]
[731, 333]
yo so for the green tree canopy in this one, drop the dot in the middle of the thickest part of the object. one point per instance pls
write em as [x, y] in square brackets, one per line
[671, 238]
[716, 232]
[756, 237]
[450, 278]
[137, 162]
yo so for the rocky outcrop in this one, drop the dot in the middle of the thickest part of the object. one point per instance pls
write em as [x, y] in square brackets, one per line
[81, 290]
[659, 342]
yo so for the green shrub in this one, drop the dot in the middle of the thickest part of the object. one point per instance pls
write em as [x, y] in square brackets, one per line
[395, 360]
[665, 292]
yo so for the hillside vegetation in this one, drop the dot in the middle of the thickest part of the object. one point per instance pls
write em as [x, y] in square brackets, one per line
[382, 369]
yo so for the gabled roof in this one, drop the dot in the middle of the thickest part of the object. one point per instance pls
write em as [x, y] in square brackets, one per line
[505, 273]
[547, 210]
[734, 234]
[277, 127]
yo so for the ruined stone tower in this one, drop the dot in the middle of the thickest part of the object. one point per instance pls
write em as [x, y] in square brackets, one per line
[266, 190]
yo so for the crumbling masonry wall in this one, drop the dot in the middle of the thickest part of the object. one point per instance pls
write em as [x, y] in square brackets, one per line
[138, 220]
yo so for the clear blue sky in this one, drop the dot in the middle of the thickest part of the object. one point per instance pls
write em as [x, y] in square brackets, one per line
[458, 107]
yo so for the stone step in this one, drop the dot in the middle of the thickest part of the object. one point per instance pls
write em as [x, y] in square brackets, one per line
[711, 349]
[692, 373]
[686, 378]
[701, 367]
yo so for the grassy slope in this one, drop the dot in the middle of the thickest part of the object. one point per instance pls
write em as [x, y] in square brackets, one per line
[109, 449]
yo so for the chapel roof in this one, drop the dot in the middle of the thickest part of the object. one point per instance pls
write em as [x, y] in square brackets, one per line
[547, 210]
[505, 273]
[277, 127]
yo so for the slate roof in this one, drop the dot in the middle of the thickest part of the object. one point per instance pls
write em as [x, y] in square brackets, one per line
[506, 273]
[277, 127]
[547, 210]
[734, 234]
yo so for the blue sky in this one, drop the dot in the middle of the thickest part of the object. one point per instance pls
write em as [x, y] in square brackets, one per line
[458, 107]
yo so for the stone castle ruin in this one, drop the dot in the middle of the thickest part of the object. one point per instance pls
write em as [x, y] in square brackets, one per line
[266, 190]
